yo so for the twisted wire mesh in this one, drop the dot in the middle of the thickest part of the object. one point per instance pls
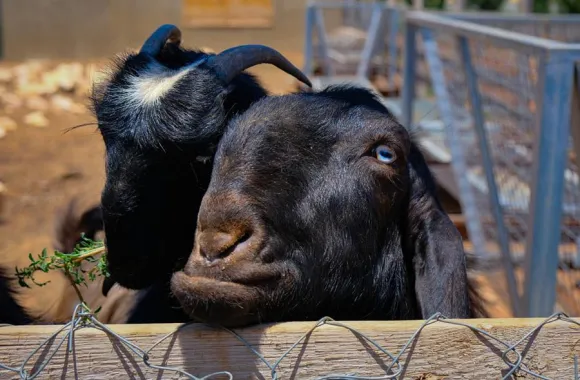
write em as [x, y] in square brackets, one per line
[559, 28]
[521, 108]
[513, 358]
[507, 84]
[346, 28]
[563, 29]
[506, 89]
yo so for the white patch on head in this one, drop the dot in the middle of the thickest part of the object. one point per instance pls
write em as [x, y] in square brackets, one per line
[151, 85]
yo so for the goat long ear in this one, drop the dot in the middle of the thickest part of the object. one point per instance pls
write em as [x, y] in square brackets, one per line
[438, 257]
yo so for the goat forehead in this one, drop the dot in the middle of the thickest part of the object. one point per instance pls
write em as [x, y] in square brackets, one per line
[272, 154]
[302, 131]
[150, 88]
[307, 124]
[154, 82]
[273, 142]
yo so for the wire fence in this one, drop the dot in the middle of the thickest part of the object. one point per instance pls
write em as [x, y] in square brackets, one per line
[480, 100]
[501, 105]
[513, 357]
[509, 88]
[508, 81]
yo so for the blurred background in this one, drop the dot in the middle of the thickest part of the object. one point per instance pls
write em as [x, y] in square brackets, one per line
[52, 50]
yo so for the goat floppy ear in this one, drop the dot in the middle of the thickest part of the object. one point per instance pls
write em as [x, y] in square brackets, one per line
[438, 257]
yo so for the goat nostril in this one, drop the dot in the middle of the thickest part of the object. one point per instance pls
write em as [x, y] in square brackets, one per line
[219, 245]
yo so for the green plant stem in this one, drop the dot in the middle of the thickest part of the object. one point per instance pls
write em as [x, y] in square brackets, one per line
[94, 252]
[70, 264]
[74, 285]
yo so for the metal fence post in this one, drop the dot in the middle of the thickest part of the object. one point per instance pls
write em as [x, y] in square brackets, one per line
[409, 75]
[393, 55]
[453, 135]
[479, 124]
[322, 41]
[374, 35]
[315, 20]
[555, 80]
[575, 134]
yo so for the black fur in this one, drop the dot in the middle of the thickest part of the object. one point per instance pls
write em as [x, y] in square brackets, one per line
[158, 165]
[10, 311]
[158, 161]
[349, 237]
[353, 238]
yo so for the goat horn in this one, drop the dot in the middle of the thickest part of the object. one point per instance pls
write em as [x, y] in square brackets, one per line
[233, 61]
[162, 35]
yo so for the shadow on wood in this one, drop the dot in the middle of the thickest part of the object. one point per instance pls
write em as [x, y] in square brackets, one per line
[441, 350]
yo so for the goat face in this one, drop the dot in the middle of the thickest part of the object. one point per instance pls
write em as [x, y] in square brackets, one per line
[161, 112]
[321, 204]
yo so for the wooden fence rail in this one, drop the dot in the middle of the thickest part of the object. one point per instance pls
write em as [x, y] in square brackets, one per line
[440, 351]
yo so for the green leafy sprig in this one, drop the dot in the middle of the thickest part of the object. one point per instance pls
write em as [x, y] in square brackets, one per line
[70, 263]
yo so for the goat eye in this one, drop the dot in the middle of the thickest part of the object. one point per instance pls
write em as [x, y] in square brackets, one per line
[385, 154]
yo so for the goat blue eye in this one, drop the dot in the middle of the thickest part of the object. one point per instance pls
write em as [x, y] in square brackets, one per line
[385, 154]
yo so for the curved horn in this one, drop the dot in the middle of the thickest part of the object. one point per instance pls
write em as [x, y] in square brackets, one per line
[157, 40]
[233, 61]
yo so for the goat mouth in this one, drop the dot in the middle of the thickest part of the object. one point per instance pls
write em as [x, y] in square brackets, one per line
[247, 273]
[226, 302]
[232, 295]
[249, 278]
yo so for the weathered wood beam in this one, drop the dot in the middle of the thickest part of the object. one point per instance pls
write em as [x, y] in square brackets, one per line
[440, 351]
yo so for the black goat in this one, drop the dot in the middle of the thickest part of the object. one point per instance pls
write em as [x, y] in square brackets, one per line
[322, 204]
[319, 203]
[161, 114]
